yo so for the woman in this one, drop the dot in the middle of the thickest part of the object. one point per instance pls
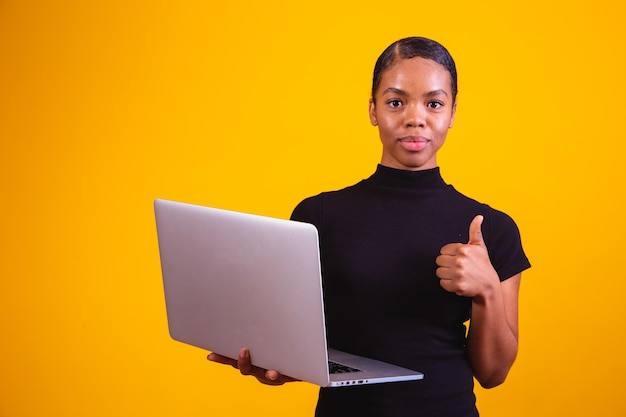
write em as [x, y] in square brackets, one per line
[407, 259]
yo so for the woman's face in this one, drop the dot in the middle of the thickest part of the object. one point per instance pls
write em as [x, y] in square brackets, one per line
[413, 112]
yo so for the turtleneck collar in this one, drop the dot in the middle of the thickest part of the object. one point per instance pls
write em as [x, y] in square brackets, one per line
[422, 179]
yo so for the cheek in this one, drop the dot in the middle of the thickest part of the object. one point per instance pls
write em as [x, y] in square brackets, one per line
[441, 127]
[385, 133]
[387, 127]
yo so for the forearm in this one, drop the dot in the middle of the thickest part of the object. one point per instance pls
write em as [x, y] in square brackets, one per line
[493, 335]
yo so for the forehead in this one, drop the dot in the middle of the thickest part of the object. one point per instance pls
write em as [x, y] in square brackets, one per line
[416, 73]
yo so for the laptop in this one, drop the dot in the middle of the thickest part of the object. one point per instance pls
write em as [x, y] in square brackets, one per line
[234, 280]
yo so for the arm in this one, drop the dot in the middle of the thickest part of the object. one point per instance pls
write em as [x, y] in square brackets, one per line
[466, 270]
[493, 334]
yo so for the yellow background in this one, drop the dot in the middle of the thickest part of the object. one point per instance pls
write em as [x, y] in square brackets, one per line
[253, 106]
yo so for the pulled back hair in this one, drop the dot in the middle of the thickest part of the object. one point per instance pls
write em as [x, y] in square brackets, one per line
[412, 47]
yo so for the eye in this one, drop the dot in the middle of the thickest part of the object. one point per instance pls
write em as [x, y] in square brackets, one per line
[394, 103]
[435, 104]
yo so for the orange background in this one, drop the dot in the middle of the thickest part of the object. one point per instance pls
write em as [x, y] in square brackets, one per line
[253, 106]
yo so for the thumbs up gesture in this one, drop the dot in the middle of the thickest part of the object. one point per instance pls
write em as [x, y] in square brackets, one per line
[465, 268]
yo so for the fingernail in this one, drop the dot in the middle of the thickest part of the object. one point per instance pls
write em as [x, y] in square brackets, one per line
[243, 353]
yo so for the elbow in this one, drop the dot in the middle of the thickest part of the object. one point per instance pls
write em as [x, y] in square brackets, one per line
[492, 379]
[491, 382]
[490, 374]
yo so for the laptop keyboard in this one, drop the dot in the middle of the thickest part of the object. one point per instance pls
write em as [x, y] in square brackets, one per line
[337, 368]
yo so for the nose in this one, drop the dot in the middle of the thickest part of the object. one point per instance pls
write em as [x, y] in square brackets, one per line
[415, 116]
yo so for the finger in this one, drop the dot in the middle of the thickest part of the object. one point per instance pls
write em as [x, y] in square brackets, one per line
[446, 284]
[243, 362]
[452, 287]
[475, 232]
[214, 357]
[443, 273]
[272, 375]
[445, 261]
[451, 248]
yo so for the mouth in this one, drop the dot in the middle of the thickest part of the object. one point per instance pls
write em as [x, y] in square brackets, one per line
[413, 143]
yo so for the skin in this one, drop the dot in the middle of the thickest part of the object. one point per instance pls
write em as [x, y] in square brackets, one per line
[465, 270]
[413, 110]
[244, 364]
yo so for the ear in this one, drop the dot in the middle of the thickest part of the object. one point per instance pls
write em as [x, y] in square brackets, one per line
[453, 115]
[372, 112]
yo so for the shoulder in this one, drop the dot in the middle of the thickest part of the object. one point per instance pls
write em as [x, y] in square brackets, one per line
[308, 209]
[311, 209]
[497, 224]
[504, 243]
[501, 234]
[495, 220]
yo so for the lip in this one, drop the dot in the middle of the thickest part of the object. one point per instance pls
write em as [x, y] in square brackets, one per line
[413, 143]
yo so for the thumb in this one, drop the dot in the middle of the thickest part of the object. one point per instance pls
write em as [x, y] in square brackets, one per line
[475, 232]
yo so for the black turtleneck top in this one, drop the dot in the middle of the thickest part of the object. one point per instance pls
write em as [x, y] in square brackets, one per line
[378, 241]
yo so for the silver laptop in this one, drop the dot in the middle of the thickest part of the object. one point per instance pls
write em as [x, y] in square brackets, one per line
[235, 280]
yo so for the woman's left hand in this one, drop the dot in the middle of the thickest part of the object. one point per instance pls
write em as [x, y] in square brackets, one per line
[465, 268]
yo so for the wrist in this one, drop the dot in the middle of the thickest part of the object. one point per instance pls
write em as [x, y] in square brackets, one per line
[489, 292]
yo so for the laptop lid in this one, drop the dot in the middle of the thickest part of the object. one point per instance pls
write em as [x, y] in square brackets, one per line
[236, 280]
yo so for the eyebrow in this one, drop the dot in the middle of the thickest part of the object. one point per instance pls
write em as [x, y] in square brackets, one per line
[403, 93]
[437, 92]
[397, 91]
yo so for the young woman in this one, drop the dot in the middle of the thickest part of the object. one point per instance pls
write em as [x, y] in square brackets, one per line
[407, 259]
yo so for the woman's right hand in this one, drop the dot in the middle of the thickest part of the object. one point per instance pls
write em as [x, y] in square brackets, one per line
[244, 364]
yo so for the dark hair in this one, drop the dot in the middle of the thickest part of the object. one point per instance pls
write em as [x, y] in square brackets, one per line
[410, 48]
